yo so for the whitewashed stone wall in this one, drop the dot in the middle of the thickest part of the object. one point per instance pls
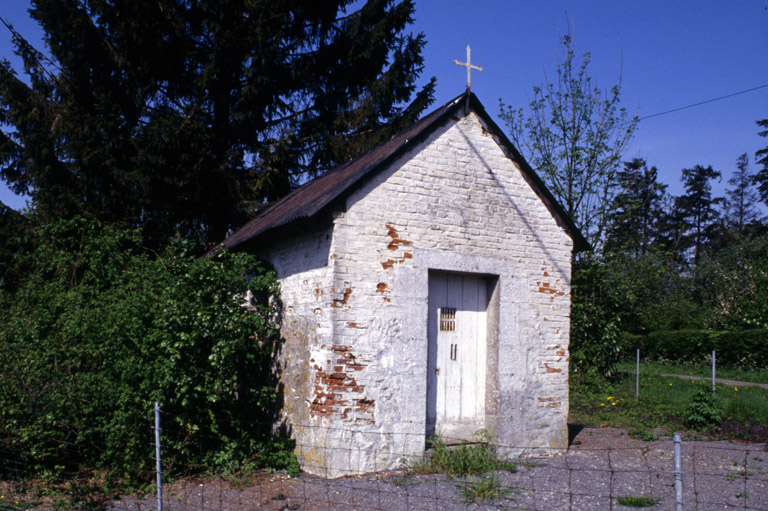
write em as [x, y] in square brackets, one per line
[355, 301]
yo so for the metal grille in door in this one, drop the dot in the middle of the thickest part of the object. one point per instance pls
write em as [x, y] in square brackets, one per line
[447, 319]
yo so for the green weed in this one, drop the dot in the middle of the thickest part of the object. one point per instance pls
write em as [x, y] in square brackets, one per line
[484, 488]
[642, 434]
[704, 411]
[637, 501]
[460, 460]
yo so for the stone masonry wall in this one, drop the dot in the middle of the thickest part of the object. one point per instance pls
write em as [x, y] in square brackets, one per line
[455, 203]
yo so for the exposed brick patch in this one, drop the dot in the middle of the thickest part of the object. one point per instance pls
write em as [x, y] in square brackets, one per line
[548, 402]
[394, 244]
[365, 405]
[546, 287]
[341, 302]
[337, 389]
[381, 287]
[552, 369]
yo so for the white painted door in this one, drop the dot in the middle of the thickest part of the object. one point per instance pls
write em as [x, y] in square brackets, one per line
[456, 365]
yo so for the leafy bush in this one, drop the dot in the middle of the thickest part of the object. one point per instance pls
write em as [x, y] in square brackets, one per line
[704, 411]
[100, 329]
[735, 286]
[594, 343]
[747, 349]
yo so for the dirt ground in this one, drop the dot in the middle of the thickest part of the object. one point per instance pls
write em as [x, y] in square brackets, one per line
[601, 465]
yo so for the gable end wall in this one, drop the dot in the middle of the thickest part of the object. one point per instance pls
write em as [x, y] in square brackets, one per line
[454, 203]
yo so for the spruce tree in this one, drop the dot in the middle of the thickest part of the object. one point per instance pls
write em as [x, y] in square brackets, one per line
[741, 198]
[697, 210]
[180, 116]
[761, 158]
[635, 210]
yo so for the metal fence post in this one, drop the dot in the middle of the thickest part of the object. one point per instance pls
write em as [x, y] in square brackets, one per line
[678, 473]
[157, 458]
[713, 371]
[637, 375]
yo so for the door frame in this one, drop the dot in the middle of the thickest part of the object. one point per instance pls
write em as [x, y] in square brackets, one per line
[491, 406]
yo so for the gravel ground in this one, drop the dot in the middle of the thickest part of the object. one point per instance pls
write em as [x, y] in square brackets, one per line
[601, 465]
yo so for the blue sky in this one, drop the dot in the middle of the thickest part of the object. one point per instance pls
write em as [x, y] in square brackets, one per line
[669, 54]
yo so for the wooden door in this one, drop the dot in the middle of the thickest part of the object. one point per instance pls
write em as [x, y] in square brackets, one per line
[456, 363]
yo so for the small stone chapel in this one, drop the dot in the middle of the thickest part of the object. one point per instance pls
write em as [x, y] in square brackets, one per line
[426, 290]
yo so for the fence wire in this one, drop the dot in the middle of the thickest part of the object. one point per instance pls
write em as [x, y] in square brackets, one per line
[601, 467]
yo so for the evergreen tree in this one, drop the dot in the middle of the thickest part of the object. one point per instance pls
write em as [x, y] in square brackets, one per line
[761, 158]
[12, 226]
[635, 210]
[697, 211]
[741, 198]
[186, 116]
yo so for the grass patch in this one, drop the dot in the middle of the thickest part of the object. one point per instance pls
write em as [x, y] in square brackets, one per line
[460, 460]
[637, 501]
[664, 403]
[485, 489]
[702, 371]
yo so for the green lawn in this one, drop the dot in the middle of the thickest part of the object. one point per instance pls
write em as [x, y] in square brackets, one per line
[663, 400]
[705, 371]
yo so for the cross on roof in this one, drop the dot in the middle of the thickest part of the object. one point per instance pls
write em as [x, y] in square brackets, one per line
[468, 64]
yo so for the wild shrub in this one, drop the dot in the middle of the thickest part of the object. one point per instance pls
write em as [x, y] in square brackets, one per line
[704, 411]
[101, 328]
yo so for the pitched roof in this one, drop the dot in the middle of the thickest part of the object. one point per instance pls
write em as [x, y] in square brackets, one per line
[312, 197]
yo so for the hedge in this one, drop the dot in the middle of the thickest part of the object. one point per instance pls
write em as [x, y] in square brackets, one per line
[746, 349]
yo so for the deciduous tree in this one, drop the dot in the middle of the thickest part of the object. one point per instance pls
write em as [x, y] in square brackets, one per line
[574, 134]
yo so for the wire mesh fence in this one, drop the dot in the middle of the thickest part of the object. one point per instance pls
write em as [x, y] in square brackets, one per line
[600, 470]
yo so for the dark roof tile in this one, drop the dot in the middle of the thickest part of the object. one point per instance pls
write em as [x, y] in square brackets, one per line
[310, 198]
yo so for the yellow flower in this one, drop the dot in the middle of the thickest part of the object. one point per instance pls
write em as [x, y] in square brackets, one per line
[602, 404]
[736, 389]
[613, 404]
[609, 398]
[670, 384]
